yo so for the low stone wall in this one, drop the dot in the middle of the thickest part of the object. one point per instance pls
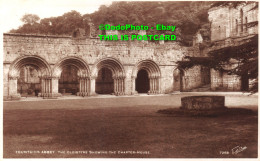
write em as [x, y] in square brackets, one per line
[203, 102]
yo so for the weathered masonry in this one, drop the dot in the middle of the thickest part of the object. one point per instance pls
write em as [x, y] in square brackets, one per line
[51, 66]
[230, 27]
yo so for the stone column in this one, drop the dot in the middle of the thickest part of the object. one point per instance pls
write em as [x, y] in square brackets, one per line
[55, 87]
[119, 85]
[154, 85]
[115, 85]
[93, 86]
[12, 93]
[159, 84]
[151, 83]
[123, 86]
[88, 86]
[44, 87]
[84, 86]
[49, 87]
[133, 91]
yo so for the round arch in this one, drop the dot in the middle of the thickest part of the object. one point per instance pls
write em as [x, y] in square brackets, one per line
[111, 63]
[43, 71]
[178, 75]
[36, 61]
[83, 73]
[154, 74]
[79, 63]
[118, 73]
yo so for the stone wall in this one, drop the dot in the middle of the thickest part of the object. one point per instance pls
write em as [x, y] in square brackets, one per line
[225, 82]
[192, 78]
[51, 53]
[232, 22]
[229, 27]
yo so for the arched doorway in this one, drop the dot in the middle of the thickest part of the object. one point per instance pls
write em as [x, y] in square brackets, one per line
[146, 77]
[244, 82]
[104, 82]
[109, 77]
[142, 82]
[72, 75]
[178, 80]
[28, 83]
[29, 76]
[69, 82]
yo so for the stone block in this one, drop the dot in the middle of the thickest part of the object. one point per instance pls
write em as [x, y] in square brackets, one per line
[203, 102]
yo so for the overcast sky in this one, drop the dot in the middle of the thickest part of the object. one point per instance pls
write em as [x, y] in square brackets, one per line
[12, 10]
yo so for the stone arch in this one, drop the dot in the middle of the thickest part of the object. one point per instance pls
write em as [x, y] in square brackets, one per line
[37, 61]
[154, 74]
[42, 67]
[118, 73]
[178, 75]
[83, 73]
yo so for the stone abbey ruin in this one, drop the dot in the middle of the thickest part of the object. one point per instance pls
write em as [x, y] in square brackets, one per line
[51, 66]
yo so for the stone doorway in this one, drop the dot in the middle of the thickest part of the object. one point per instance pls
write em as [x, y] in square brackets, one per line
[142, 81]
[69, 82]
[244, 82]
[104, 82]
[178, 80]
[28, 84]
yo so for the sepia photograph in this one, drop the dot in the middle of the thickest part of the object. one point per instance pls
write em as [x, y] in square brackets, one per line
[129, 79]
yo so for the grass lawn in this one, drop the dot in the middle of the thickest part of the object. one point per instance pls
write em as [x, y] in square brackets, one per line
[111, 126]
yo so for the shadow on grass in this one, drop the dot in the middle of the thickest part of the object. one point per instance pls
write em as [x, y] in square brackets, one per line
[177, 112]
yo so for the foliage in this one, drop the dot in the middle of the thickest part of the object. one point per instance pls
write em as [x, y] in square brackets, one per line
[242, 59]
[188, 17]
[30, 19]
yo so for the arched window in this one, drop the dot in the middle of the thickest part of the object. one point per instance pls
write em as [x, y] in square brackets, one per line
[241, 17]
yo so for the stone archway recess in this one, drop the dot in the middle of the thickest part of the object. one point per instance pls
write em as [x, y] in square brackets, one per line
[178, 75]
[83, 74]
[118, 74]
[41, 66]
[154, 74]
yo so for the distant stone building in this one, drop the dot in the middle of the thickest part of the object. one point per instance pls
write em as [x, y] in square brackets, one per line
[229, 27]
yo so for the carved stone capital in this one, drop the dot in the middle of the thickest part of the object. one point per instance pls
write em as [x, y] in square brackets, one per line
[93, 77]
[13, 77]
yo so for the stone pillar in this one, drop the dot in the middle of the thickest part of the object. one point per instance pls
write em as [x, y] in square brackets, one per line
[93, 86]
[84, 86]
[133, 91]
[115, 85]
[159, 84]
[151, 86]
[151, 83]
[154, 85]
[122, 86]
[12, 93]
[49, 87]
[55, 87]
[119, 82]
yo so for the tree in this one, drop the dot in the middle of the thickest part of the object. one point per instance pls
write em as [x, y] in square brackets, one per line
[181, 14]
[30, 19]
[243, 57]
